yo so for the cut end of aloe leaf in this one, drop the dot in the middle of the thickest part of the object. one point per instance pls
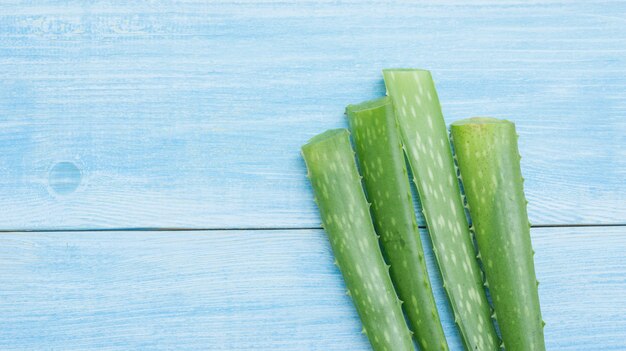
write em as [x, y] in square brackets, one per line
[327, 135]
[415, 77]
[480, 120]
[413, 70]
[368, 105]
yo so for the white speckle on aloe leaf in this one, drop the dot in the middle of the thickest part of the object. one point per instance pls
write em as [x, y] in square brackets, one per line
[415, 152]
[450, 226]
[429, 119]
[421, 147]
[381, 300]
[418, 101]
[440, 220]
[429, 95]
[466, 252]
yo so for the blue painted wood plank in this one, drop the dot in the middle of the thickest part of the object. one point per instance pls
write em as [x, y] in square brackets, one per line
[190, 114]
[267, 290]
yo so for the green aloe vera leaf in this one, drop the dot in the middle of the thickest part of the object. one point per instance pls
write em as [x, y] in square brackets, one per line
[489, 161]
[381, 161]
[425, 139]
[346, 218]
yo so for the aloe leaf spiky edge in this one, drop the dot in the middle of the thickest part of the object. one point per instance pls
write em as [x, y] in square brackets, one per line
[345, 215]
[381, 161]
[427, 146]
[489, 162]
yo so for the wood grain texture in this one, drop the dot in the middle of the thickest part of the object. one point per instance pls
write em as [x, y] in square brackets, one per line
[190, 114]
[267, 290]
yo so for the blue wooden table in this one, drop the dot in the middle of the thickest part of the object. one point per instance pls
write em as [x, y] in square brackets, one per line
[153, 196]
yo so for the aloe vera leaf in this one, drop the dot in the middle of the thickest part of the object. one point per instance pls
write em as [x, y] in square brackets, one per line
[489, 161]
[381, 161]
[346, 218]
[425, 139]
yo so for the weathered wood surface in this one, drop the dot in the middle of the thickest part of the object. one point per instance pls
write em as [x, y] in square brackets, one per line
[261, 290]
[190, 114]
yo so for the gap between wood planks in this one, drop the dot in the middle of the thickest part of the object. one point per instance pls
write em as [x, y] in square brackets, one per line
[148, 229]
